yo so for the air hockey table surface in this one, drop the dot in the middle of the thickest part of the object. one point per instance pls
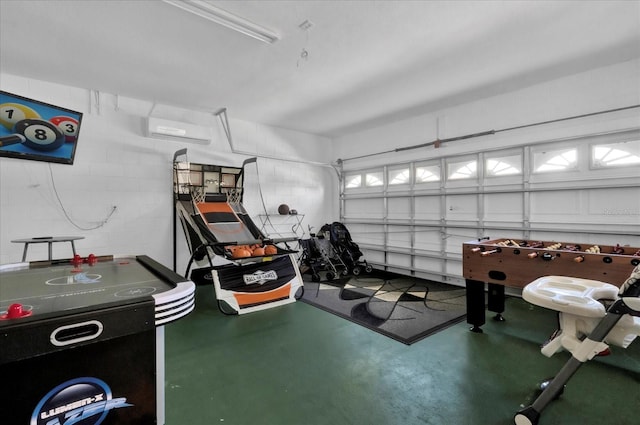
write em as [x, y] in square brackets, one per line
[95, 330]
[44, 289]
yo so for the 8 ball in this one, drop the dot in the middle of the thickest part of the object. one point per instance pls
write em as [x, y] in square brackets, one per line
[41, 135]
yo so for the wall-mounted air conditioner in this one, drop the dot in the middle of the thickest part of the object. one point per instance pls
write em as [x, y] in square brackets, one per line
[161, 128]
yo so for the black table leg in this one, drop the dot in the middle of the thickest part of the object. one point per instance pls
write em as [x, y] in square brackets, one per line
[24, 252]
[495, 300]
[475, 304]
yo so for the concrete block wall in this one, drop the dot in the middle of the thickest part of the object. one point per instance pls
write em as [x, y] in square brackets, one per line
[117, 166]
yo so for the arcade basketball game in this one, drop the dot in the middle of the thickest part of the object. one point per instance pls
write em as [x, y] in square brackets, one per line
[82, 340]
[249, 271]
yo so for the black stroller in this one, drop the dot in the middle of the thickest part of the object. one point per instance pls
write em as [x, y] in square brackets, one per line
[348, 251]
[319, 255]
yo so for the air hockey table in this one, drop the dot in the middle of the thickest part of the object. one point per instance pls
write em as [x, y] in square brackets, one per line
[84, 343]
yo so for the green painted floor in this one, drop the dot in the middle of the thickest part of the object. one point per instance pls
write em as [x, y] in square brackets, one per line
[297, 364]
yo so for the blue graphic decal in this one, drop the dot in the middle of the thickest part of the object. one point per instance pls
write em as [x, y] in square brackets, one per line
[83, 401]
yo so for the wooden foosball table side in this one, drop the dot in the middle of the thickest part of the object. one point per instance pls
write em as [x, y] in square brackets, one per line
[511, 263]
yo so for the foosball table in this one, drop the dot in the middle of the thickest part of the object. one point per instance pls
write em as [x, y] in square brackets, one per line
[501, 263]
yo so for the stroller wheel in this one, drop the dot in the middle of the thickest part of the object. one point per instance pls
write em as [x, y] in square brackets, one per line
[330, 276]
[356, 270]
[315, 277]
[368, 268]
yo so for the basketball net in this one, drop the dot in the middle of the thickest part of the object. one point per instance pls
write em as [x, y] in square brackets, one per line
[197, 194]
[234, 195]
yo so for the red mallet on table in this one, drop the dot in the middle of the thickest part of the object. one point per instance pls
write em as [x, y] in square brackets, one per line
[92, 259]
[15, 311]
[77, 262]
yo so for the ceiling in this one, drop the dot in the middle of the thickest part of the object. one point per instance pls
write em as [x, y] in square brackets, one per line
[368, 62]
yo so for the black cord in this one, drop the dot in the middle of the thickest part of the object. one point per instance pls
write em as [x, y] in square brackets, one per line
[64, 211]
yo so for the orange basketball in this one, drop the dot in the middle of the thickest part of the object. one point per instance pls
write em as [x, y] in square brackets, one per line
[241, 252]
[258, 252]
[270, 250]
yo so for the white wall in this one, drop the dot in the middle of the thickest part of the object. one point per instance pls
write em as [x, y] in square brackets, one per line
[600, 89]
[115, 165]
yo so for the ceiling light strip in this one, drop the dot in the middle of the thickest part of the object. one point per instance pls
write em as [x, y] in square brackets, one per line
[213, 13]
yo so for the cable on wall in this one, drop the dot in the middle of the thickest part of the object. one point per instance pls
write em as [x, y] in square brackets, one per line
[436, 143]
[264, 205]
[69, 219]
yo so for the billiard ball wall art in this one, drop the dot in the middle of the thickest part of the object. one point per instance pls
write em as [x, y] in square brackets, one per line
[30, 129]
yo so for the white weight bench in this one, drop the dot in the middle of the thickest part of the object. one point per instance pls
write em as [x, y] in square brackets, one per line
[592, 315]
